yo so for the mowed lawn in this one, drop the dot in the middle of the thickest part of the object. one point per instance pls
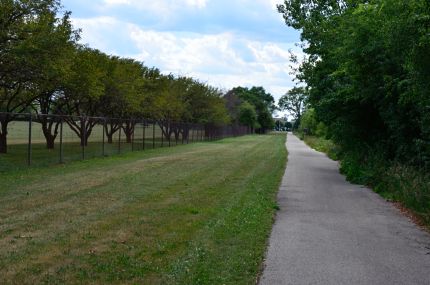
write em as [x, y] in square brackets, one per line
[193, 214]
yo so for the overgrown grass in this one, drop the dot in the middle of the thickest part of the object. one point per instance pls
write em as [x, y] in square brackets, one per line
[393, 181]
[194, 214]
[322, 145]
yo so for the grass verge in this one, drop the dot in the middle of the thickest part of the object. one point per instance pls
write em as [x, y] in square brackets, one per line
[322, 145]
[194, 214]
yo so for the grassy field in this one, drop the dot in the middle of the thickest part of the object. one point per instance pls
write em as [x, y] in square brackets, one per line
[194, 214]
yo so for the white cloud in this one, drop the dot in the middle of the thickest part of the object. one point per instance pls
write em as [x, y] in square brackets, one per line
[216, 58]
[91, 31]
[117, 2]
[159, 5]
[197, 3]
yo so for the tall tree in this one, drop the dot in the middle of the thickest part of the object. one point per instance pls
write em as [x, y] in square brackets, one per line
[123, 96]
[83, 88]
[248, 115]
[366, 72]
[263, 103]
[28, 36]
[52, 72]
[294, 101]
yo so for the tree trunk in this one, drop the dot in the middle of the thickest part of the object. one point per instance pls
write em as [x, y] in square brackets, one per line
[47, 132]
[109, 138]
[110, 129]
[3, 143]
[129, 130]
[128, 137]
[50, 142]
[3, 137]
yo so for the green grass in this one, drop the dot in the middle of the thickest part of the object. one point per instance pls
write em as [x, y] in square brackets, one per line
[322, 145]
[193, 214]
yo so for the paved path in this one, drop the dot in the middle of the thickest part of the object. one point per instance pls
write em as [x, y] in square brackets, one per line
[331, 232]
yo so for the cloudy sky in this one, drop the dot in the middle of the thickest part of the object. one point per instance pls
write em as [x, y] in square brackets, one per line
[225, 43]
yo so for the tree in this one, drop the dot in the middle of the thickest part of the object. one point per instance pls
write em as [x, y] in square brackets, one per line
[367, 73]
[29, 33]
[263, 103]
[232, 104]
[52, 72]
[123, 96]
[294, 101]
[83, 88]
[248, 115]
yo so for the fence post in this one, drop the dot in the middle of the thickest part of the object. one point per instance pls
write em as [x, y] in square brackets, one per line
[119, 138]
[188, 132]
[103, 139]
[84, 135]
[143, 135]
[61, 141]
[192, 133]
[30, 123]
[132, 136]
[169, 128]
[183, 132]
[162, 137]
[153, 135]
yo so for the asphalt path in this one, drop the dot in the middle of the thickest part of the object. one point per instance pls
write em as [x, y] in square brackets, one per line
[329, 231]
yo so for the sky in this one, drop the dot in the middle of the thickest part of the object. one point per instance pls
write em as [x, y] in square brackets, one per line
[225, 43]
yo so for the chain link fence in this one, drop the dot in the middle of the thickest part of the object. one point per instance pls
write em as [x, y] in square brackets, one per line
[38, 140]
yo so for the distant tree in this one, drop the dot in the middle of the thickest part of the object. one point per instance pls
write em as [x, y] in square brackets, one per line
[248, 115]
[279, 125]
[263, 103]
[309, 122]
[294, 102]
[123, 96]
[232, 104]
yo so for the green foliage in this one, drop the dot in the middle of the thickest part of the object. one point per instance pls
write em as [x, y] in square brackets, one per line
[366, 73]
[247, 114]
[294, 101]
[33, 46]
[263, 103]
[308, 122]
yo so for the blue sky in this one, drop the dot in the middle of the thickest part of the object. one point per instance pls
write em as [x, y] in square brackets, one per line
[224, 43]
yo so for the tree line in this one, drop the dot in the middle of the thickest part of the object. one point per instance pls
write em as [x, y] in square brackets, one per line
[367, 75]
[45, 71]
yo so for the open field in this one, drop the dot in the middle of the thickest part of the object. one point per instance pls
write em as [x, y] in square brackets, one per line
[194, 214]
